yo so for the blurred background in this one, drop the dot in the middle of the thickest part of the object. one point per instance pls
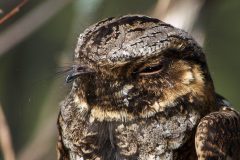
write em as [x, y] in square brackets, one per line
[37, 44]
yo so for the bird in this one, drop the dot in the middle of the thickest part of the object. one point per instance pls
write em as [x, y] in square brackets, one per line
[142, 90]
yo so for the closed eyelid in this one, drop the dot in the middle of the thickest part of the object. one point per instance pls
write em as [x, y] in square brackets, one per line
[148, 69]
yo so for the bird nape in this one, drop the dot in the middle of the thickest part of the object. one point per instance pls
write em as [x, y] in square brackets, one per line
[142, 90]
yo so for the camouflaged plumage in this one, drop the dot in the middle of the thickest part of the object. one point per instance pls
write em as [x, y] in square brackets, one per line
[142, 91]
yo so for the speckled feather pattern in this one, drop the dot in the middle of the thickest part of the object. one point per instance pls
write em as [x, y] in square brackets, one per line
[142, 91]
[118, 40]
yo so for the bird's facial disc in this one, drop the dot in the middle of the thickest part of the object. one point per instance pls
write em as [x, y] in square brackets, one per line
[139, 66]
[140, 89]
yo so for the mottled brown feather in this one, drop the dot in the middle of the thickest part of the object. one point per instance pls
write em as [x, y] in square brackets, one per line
[218, 135]
[140, 89]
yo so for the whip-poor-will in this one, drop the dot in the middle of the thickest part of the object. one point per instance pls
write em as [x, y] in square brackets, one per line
[142, 91]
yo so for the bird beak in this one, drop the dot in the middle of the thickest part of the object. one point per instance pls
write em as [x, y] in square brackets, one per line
[76, 72]
[73, 75]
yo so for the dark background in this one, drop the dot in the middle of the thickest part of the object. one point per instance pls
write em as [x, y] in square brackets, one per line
[32, 69]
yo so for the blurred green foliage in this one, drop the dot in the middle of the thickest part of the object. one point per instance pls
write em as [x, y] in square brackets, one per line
[28, 70]
[222, 26]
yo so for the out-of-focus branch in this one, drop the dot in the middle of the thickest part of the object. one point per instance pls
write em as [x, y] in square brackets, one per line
[13, 11]
[29, 23]
[42, 140]
[5, 138]
[182, 14]
[46, 129]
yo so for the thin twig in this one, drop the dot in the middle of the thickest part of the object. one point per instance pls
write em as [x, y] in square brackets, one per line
[5, 138]
[13, 12]
[29, 23]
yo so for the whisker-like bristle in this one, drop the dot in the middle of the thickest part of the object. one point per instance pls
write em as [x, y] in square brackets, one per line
[63, 70]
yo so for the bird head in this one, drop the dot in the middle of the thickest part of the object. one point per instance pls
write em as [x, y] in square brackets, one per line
[136, 66]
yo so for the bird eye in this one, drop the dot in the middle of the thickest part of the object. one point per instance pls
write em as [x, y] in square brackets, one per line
[149, 70]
